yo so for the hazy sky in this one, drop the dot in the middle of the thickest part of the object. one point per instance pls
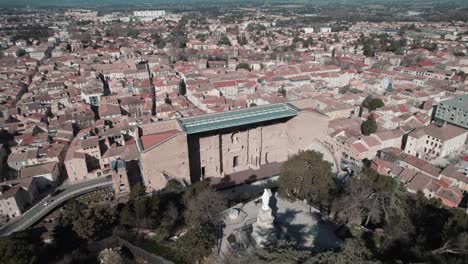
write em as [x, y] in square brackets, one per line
[83, 3]
[89, 3]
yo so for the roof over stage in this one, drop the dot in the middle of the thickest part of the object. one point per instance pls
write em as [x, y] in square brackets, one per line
[234, 118]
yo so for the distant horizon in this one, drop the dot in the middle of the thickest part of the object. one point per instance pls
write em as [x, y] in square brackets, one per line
[148, 3]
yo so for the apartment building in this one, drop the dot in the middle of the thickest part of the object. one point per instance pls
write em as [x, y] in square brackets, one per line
[454, 111]
[433, 141]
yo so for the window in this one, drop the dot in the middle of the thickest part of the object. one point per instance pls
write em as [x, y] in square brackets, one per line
[235, 138]
[266, 157]
[235, 161]
[203, 171]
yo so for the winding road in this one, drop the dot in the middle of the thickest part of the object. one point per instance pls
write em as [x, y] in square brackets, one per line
[39, 210]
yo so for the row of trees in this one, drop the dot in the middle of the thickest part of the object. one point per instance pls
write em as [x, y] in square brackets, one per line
[382, 42]
[242, 40]
[352, 251]
[309, 42]
[193, 214]
[385, 223]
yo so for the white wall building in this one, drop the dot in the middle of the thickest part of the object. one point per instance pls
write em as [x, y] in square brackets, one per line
[325, 29]
[150, 13]
[91, 96]
[308, 30]
[432, 141]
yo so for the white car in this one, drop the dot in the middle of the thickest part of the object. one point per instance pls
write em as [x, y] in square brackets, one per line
[46, 203]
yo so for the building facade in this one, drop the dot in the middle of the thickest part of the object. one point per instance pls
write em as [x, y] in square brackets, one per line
[432, 141]
[220, 145]
[150, 13]
[454, 111]
[120, 177]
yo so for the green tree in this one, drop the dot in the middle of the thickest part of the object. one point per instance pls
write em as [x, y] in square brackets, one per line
[137, 190]
[455, 234]
[87, 223]
[353, 251]
[16, 251]
[194, 190]
[126, 216]
[368, 49]
[204, 217]
[277, 253]
[224, 40]
[142, 212]
[370, 198]
[195, 245]
[182, 88]
[243, 65]
[372, 103]
[206, 208]
[308, 42]
[375, 103]
[242, 40]
[369, 126]
[94, 224]
[306, 175]
[282, 91]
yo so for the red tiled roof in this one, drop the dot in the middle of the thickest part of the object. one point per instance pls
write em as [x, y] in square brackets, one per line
[148, 141]
[360, 147]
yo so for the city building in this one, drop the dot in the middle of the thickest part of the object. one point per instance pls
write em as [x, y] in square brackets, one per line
[16, 196]
[433, 141]
[120, 176]
[82, 14]
[221, 146]
[150, 13]
[92, 96]
[454, 111]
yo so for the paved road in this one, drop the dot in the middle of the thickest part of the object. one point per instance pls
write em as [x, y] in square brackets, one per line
[39, 210]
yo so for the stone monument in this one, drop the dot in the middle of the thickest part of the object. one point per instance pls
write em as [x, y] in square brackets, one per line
[263, 228]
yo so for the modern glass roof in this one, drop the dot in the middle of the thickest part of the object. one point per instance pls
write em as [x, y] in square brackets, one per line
[198, 124]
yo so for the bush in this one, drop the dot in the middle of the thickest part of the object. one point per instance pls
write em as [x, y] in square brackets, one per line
[369, 126]
[231, 239]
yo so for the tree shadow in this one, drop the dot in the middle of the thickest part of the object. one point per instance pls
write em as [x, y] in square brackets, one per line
[325, 237]
[226, 181]
[299, 234]
[251, 179]
[369, 241]
[404, 250]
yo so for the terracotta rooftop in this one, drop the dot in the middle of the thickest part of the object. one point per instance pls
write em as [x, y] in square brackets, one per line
[148, 141]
